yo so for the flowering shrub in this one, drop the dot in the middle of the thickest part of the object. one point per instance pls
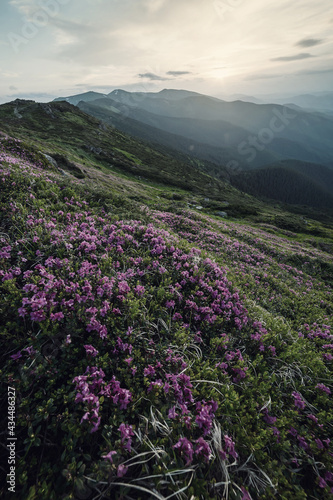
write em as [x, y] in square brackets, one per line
[178, 354]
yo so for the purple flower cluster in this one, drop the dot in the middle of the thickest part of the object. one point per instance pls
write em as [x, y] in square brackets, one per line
[229, 446]
[205, 415]
[298, 401]
[323, 388]
[126, 432]
[187, 450]
[90, 386]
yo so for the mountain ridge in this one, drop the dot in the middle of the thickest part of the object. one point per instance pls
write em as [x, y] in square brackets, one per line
[241, 121]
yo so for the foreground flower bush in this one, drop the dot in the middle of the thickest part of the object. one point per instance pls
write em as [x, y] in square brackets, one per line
[174, 357]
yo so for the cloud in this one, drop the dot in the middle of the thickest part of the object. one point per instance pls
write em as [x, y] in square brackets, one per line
[25, 7]
[12, 87]
[262, 76]
[32, 96]
[315, 72]
[9, 74]
[119, 43]
[152, 76]
[178, 73]
[309, 42]
[296, 57]
[154, 5]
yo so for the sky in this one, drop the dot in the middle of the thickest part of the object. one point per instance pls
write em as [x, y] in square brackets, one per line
[53, 48]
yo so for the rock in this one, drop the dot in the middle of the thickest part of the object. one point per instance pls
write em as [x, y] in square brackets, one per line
[96, 151]
[47, 109]
[63, 172]
[221, 214]
[51, 160]
[17, 114]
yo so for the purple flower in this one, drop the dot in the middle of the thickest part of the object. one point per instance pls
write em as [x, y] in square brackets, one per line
[187, 421]
[269, 419]
[186, 448]
[322, 483]
[329, 477]
[5, 252]
[57, 316]
[157, 383]
[123, 287]
[177, 317]
[298, 401]
[276, 433]
[109, 456]
[230, 446]
[203, 449]
[22, 312]
[126, 436]
[172, 413]
[327, 442]
[16, 356]
[123, 346]
[30, 350]
[323, 388]
[129, 330]
[91, 351]
[223, 366]
[312, 417]
[149, 372]
[121, 470]
[37, 316]
[139, 290]
[246, 495]
[96, 423]
[206, 415]
[302, 443]
[122, 397]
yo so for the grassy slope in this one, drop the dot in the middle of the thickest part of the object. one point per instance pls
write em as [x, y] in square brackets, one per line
[237, 408]
[287, 184]
[63, 128]
[158, 137]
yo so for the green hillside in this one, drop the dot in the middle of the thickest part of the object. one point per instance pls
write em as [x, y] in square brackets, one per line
[61, 128]
[299, 184]
[150, 348]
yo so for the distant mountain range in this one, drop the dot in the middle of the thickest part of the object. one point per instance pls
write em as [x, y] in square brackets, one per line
[322, 101]
[319, 101]
[271, 151]
[248, 134]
